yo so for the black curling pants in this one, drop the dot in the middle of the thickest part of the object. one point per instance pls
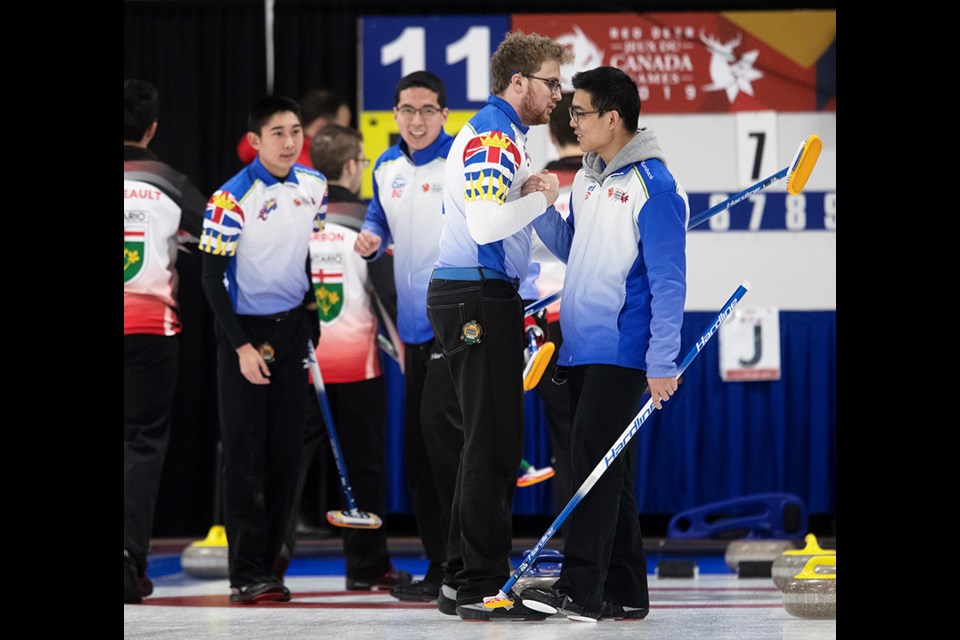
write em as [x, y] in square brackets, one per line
[603, 557]
[487, 377]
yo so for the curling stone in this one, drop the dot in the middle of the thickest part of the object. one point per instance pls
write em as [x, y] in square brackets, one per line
[755, 551]
[812, 593]
[543, 572]
[207, 558]
[790, 562]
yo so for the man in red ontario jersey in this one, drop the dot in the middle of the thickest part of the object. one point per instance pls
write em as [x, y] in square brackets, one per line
[160, 209]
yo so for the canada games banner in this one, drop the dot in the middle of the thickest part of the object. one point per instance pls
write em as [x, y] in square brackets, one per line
[706, 62]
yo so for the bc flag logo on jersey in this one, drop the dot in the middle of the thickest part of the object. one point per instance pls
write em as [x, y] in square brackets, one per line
[222, 222]
[489, 163]
[134, 243]
[328, 288]
[269, 207]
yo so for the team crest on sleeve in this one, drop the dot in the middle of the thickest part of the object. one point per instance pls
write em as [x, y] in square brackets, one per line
[134, 255]
[494, 148]
[222, 204]
[222, 222]
[328, 289]
[489, 164]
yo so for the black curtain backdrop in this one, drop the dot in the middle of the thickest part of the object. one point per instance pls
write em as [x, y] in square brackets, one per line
[208, 60]
[315, 48]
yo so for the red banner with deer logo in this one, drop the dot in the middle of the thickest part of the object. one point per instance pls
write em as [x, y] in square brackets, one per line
[706, 62]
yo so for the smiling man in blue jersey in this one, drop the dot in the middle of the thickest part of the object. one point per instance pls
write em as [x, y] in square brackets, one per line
[477, 314]
[256, 237]
[406, 212]
[624, 242]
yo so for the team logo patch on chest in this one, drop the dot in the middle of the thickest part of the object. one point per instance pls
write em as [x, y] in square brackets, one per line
[397, 187]
[618, 195]
[328, 289]
[268, 207]
[134, 253]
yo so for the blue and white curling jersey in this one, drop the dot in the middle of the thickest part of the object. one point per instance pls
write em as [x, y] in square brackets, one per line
[265, 226]
[407, 212]
[488, 161]
[625, 283]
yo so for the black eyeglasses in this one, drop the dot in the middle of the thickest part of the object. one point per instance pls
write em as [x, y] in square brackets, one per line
[363, 162]
[552, 83]
[575, 115]
[425, 112]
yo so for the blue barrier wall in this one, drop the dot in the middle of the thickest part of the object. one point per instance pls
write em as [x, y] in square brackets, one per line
[715, 439]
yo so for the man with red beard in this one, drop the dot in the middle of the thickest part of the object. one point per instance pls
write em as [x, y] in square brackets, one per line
[477, 314]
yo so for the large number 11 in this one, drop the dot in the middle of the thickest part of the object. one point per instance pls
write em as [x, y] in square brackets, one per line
[410, 48]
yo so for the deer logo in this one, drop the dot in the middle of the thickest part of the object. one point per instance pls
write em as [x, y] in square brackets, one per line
[586, 55]
[727, 72]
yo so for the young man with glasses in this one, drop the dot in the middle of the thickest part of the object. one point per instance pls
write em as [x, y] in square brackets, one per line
[624, 243]
[477, 314]
[407, 212]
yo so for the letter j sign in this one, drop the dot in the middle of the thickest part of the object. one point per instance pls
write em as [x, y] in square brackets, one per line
[750, 345]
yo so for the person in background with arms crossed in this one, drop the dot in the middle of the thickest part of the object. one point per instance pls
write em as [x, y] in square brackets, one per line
[256, 236]
[406, 211]
[477, 314]
[624, 242]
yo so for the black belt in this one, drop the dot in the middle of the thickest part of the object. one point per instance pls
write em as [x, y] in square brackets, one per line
[275, 317]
